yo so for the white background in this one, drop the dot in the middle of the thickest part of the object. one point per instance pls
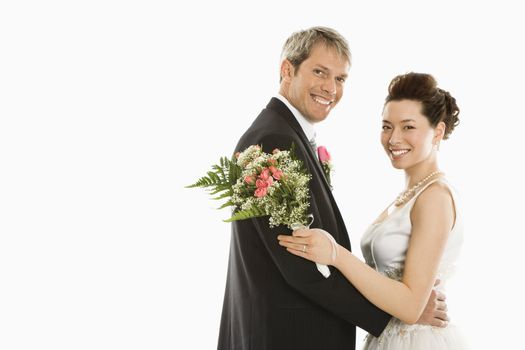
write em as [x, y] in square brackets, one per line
[109, 108]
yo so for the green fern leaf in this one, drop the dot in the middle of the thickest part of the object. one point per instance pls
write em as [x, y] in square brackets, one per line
[234, 170]
[246, 214]
[227, 204]
[202, 182]
[224, 195]
[219, 188]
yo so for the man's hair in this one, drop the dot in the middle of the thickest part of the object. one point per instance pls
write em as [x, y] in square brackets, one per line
[298, 46]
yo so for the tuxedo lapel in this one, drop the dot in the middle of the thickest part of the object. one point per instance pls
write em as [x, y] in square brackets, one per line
[278, 106]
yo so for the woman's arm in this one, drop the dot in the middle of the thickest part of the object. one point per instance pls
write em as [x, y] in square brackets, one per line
[432, 219]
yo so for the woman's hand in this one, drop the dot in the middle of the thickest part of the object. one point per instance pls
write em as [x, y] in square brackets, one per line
[313, 244]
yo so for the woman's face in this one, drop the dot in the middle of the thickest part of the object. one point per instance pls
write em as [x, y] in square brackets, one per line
[407, 135]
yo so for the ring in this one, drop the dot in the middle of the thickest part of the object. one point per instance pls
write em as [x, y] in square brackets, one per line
[304, 248]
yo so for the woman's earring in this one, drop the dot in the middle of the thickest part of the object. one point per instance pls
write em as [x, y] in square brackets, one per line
[436, 146]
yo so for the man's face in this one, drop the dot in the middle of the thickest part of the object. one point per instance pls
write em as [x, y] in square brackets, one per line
[317, 85]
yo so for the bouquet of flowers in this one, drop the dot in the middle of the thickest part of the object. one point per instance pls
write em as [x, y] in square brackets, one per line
[261, 184]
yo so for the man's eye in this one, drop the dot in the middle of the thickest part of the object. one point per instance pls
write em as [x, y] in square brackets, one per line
[341, 80]
[385, 127]
[408, 127]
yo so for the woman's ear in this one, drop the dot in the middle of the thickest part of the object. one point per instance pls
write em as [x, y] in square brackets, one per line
[439, 133]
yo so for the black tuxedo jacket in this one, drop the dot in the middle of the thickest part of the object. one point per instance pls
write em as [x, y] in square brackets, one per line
[275, 300]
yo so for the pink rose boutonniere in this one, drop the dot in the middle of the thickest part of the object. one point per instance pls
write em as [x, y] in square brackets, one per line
[326, 162]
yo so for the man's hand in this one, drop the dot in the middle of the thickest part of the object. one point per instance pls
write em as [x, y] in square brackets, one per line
[435, 313]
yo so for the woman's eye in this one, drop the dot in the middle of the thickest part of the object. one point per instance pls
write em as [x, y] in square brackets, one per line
[341, 80]
[318, 71]
[385, 127]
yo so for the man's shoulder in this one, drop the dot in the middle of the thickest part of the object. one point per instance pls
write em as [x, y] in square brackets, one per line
[269, 127]
[271, 119]
[265, 135]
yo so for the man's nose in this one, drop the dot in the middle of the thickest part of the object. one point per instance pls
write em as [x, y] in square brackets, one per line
[329, 86]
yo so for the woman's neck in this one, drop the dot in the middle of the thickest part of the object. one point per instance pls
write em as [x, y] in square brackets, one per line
[416, 174]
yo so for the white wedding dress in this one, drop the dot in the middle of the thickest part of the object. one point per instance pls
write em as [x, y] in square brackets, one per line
[384, 247]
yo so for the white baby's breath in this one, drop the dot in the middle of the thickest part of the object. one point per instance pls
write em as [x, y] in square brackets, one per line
[286, 200]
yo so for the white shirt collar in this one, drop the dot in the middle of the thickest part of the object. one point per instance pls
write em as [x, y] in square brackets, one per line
[308, 127]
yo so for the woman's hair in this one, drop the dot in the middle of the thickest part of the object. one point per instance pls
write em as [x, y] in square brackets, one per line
[438, 104]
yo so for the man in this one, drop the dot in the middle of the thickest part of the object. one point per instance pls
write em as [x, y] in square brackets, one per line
[275, 300]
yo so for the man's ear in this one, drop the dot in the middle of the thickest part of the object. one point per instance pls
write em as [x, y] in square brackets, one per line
[287, 70]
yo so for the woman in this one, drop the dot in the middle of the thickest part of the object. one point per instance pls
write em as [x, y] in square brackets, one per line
[417, 239]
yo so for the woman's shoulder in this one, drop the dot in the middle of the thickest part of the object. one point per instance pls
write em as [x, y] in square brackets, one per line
[436, 194]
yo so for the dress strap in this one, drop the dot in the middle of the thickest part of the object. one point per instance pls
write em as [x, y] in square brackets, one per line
[412, 200]
[444, 181]
[426, 185]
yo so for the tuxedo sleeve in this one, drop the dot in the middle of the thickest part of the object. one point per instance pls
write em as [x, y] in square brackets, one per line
[335, 293]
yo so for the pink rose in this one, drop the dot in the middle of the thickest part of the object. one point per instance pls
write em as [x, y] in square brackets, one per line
[261, 192]
[323, 154]
[261, 183]
[237, 154]
[272, 161]
[276, 173]
[249, 179]
[265, 174]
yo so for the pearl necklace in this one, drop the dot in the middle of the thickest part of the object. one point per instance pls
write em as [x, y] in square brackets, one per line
[403, 196]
